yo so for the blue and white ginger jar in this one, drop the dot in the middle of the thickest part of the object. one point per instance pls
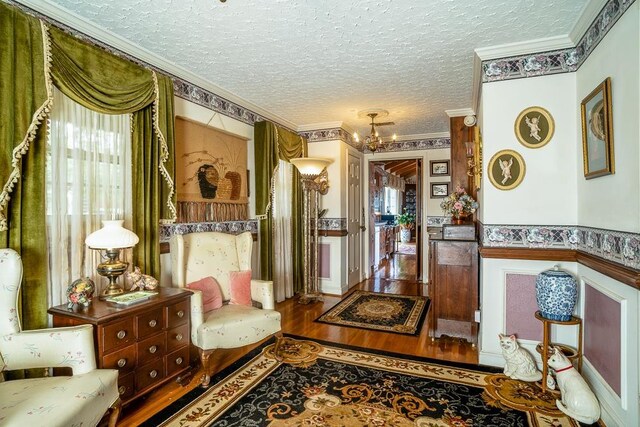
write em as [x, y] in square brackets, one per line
[556, 294]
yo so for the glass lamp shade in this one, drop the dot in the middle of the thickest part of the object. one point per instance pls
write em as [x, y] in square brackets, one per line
[311, 166]
[112, 235]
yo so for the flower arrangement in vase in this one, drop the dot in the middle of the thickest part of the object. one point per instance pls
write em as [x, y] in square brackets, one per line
[459, 205]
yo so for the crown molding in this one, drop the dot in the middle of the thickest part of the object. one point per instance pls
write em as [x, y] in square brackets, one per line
[526, 47]
[587, 16]
[319, 126]
[460, 112]
[89, 28]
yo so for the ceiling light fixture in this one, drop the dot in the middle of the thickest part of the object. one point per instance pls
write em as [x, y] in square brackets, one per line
[373, 141]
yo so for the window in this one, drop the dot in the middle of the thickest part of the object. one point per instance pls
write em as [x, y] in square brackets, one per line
[88, 179]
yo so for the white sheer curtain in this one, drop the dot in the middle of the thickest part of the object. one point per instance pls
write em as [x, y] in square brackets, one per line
[283, 262]
[88, 178]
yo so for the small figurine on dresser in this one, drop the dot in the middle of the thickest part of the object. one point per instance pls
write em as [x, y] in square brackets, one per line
[141, 282]
[80, 292]
[578, 401]
[519, 364]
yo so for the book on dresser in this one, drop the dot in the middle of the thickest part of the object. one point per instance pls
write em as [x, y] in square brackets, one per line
[147, 342]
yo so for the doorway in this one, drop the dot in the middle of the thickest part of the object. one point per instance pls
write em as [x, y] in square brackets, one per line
[395, 188]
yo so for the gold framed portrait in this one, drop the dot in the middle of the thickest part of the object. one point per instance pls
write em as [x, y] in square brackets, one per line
[506, 169]
[534, 127]
[597, 132]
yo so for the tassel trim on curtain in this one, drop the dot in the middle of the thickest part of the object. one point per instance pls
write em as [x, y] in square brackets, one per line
[164, 154]
[39, 115]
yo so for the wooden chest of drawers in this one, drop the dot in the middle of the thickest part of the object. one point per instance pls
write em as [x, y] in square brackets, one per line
[147, 342]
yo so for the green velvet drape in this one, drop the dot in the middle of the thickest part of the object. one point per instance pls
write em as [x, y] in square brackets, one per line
[105, 83]
[97, 80]
[23, 104]
[271, 144]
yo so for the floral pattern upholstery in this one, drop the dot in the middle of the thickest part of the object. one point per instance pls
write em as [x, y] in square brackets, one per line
[80, 399]
[198, 255]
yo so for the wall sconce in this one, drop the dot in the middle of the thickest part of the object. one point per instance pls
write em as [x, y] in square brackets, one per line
[315, 182]
[474, 160]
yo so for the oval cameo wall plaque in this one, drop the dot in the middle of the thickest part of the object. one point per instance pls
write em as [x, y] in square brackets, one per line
[534, 127]
[506, 169]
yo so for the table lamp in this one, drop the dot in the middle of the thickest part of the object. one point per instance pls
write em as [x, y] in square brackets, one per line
[111, 238]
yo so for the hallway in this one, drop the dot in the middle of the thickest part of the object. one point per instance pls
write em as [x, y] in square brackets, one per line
[401, 265]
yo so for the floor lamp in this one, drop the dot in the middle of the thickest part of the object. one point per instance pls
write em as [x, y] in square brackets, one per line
[314, 183]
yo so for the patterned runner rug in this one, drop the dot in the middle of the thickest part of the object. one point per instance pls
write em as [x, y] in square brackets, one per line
[402, 314]
[328, 385]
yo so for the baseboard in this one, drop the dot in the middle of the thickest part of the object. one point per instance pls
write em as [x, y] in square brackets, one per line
[491, 359]
[330, 288]
[613, 413]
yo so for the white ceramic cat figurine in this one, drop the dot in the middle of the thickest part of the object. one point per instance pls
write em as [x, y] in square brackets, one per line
[519, 363]
[578, 401]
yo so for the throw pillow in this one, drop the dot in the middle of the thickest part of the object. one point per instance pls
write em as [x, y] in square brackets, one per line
[240, 284]
[211, 292]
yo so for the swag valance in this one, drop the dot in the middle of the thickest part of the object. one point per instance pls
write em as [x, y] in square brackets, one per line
[36, 57]
[273, 143]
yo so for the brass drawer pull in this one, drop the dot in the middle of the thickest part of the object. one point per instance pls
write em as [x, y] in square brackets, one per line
[121, 389]
[179, 361]
[153, 373]
[153, 323]
[121, 334]
[179, 337]
[180, 314]
[153, 349]
[122, 362]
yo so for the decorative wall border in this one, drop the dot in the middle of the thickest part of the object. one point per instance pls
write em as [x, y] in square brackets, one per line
[616, 246]
[332, 224]
[557, 61]
[437, 221]
[231, 227]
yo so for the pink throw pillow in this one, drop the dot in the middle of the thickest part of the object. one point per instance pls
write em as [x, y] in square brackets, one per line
[211, 293]
[240, 287]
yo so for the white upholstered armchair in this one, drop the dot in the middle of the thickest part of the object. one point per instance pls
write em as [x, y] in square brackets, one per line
[199, 255]
[80, 399]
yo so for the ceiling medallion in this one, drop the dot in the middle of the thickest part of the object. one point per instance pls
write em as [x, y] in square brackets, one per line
[373, 141]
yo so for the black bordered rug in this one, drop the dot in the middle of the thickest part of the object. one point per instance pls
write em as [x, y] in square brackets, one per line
[401, 314]
[323, 384]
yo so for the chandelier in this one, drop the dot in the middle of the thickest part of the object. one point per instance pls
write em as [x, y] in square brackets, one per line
[373, 141]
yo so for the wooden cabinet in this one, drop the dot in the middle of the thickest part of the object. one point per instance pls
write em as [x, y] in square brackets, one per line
[453, 289]
[147, 342]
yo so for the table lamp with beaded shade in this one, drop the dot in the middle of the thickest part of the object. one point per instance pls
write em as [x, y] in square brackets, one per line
[111, 238]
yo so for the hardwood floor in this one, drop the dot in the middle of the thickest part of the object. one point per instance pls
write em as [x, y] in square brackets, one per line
[299, 319]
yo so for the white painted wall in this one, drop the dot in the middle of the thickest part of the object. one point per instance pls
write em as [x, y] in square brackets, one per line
[547, 195]
[613, 201]
[555, 192]
[335, 199]
[617, 410]
[493, 307]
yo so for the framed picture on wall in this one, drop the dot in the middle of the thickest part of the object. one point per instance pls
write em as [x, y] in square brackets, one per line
[439, 167]
[439, 190]
[534, 127]
[597, 132]
[506, 169]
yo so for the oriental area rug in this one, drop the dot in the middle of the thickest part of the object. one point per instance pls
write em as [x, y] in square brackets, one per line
[402, 314]
[321, 384]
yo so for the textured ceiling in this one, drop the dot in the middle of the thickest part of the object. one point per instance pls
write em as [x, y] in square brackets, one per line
[313, 61]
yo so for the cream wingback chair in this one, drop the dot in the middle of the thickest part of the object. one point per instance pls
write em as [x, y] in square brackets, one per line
[199, 255]
[80, 399]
